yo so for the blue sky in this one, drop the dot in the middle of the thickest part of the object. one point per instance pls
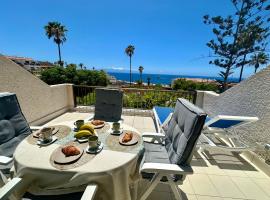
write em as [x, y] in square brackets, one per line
[169, 35]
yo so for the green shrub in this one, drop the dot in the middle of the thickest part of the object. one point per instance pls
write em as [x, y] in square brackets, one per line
[183, 84]
[70, 74]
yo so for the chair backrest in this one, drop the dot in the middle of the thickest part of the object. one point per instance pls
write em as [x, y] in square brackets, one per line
[183, 132]
[108, 105]
[13, 125]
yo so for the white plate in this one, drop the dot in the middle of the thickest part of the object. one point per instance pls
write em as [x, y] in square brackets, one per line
[42, 143]
[98, 126]
[133, 141]
[61, 158]
[100, 147]
[83, 140]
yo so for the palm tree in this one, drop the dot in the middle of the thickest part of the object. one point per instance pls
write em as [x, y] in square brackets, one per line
[130, 51]
[259, 59]
[141, 70]
[58, 32]
[81, 65]
[148, 80]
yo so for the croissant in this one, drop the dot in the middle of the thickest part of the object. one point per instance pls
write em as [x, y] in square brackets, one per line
[97, 122]
[127, 137]
[70, 150]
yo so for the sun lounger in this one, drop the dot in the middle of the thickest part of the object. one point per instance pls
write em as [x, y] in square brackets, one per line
[162, 116]
[217, 126]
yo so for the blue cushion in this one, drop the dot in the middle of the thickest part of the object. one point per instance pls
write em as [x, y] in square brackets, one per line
[13, 125]
[183, 131]
[224, 123]
[163, 113]
[7, 131]
[108, 105]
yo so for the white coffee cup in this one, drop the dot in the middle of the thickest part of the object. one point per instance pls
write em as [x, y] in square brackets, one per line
[46, 134]
[93, 142]
[116, 126]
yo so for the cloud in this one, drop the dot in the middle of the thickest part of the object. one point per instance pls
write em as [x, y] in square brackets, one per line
[118, 68]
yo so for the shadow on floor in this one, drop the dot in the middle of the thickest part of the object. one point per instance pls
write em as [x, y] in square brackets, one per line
[226, 160]
[72, 196]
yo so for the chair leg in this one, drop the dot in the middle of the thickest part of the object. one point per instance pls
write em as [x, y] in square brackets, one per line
[154, 181]
[173, 185]
[89, 192]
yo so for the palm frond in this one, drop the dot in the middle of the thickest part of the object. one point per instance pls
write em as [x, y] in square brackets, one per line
[130, 50]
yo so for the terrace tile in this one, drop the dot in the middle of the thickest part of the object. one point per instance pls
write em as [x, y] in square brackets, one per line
[264, 184]
[186, 187]
[217, 174]
[201, 197]
[249, 188]
[202, 185]
[225, 186]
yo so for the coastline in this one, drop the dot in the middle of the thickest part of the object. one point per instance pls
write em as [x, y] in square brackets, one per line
[163, 79]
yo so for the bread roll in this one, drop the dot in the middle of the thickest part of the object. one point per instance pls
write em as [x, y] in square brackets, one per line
[70, 150]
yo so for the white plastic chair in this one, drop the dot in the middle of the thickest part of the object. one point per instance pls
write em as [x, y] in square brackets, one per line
[167, 157]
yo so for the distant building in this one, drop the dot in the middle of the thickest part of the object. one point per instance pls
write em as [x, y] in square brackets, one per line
[30, 64]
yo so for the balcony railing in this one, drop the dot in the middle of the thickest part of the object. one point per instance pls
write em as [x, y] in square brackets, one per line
[134, 98]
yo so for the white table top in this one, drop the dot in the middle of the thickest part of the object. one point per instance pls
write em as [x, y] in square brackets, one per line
[34, 161]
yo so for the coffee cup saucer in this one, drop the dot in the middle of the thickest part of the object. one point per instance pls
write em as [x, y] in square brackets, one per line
[119, 132]
[94, 151]
[41, 142]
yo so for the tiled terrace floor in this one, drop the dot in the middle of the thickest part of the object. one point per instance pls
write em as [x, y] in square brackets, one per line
[217, 175]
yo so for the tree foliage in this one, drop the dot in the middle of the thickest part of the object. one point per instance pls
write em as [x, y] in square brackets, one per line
[57, 31]
[238, 35]
[70, 74]
[183, 84]
[141, 68]
[130, 51]
[258, 59]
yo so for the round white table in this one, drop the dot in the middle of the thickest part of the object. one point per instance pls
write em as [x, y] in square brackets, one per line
[115, 172]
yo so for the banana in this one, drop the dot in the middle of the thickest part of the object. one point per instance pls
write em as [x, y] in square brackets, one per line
[87, 127]
[83, 133]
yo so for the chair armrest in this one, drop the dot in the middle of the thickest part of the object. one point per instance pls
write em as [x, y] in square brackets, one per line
[89, 192]
[152, 134]
[166, 168]
[4, 160]
[9, 188]
[159, 137]
[34, 128]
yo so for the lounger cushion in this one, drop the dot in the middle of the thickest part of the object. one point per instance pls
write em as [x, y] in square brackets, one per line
[184, 129]
[180, 139]
[108, 105]
[13, 125]
[155, 153]
[7, 131]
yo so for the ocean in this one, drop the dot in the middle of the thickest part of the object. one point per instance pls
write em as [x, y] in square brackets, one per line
[164, 79]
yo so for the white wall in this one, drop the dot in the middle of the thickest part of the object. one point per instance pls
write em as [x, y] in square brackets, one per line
[249, 98]
[39, 101]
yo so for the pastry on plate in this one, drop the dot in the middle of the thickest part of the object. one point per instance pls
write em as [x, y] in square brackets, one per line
[127, 137]
[97, 122]
[70, 150]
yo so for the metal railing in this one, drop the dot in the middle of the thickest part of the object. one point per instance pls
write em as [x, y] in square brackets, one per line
[134, 98]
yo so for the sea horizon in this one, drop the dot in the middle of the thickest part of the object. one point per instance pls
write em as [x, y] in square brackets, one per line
[164, 79]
